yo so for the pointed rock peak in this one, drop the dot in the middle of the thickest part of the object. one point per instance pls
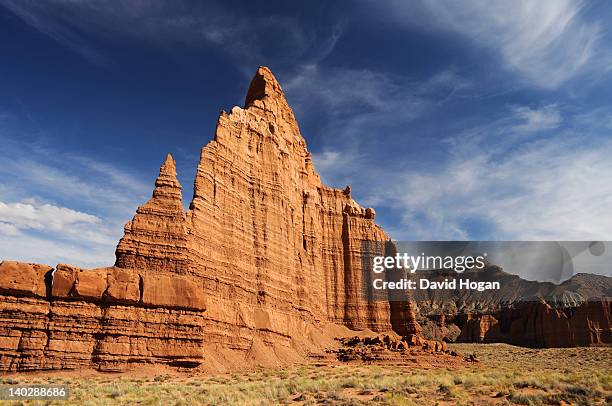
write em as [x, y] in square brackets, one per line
[168, 167]
[263, 85]
[167, 174]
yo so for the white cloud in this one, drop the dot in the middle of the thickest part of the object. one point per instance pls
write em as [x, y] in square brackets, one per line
[354, 91]
[31, 170]
[8, 229]
[362, 108]
[327, 159]
[546, 41]
[33, 219]
[29, 248]
[544, 188]
[552, 189]
[537, 119]
[57, 206]
[42, 216]
[496, 182]
[336, 88]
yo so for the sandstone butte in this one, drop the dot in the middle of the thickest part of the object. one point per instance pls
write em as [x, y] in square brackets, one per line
[265, 268]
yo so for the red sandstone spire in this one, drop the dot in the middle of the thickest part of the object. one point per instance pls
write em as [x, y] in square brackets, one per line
[167, 184]
[156, 238]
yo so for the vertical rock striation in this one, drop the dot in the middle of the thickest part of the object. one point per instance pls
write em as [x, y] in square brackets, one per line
[276, 248]
[264, 263]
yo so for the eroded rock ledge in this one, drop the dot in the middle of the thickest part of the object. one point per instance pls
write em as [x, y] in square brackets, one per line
[105, 319]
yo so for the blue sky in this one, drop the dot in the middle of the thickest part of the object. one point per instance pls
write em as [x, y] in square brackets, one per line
[455, 120]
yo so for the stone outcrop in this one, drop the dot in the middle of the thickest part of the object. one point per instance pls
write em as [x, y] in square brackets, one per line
[275, 249]
[96, 319]
[472, 312]
[266, 263]
[21, 279]
[482, 328]
[388, 348]
[156, 238]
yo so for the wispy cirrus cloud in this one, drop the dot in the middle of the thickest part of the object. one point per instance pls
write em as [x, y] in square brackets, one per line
[346, 90]
[544, 190]
[362, 107]
[514, 178]
[33, 14]
[173, 27]
[58, 206]
[536, 119]
[547, 42]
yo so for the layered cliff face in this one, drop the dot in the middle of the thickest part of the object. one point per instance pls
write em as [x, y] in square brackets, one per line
[276, 250]
[146, 310]
[262, 268]
[276, 254]
[479, 316]
[108, 319]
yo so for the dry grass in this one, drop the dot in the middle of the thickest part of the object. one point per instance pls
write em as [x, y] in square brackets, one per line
[506, 375]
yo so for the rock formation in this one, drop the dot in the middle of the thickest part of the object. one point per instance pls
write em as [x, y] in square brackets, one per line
[275, 254]
[275, 248]
[475, 313]
[156, 238]
[104, 318]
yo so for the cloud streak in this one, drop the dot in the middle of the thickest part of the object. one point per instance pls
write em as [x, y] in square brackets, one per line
[70, 207]
[175, 27]
[42, 216]
[536, 119]
[547, 42]
[34, 14]
[519, 177]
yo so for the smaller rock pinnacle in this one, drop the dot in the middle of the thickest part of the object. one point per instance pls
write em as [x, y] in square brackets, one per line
[168, 167]
[167, 181]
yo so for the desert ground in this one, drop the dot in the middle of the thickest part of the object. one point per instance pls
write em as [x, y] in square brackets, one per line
[504, 375]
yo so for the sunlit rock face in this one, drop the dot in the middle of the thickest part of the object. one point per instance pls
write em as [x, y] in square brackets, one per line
[266, 235]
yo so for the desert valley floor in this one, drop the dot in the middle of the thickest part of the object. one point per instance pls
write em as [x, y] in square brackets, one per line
[504, 375]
